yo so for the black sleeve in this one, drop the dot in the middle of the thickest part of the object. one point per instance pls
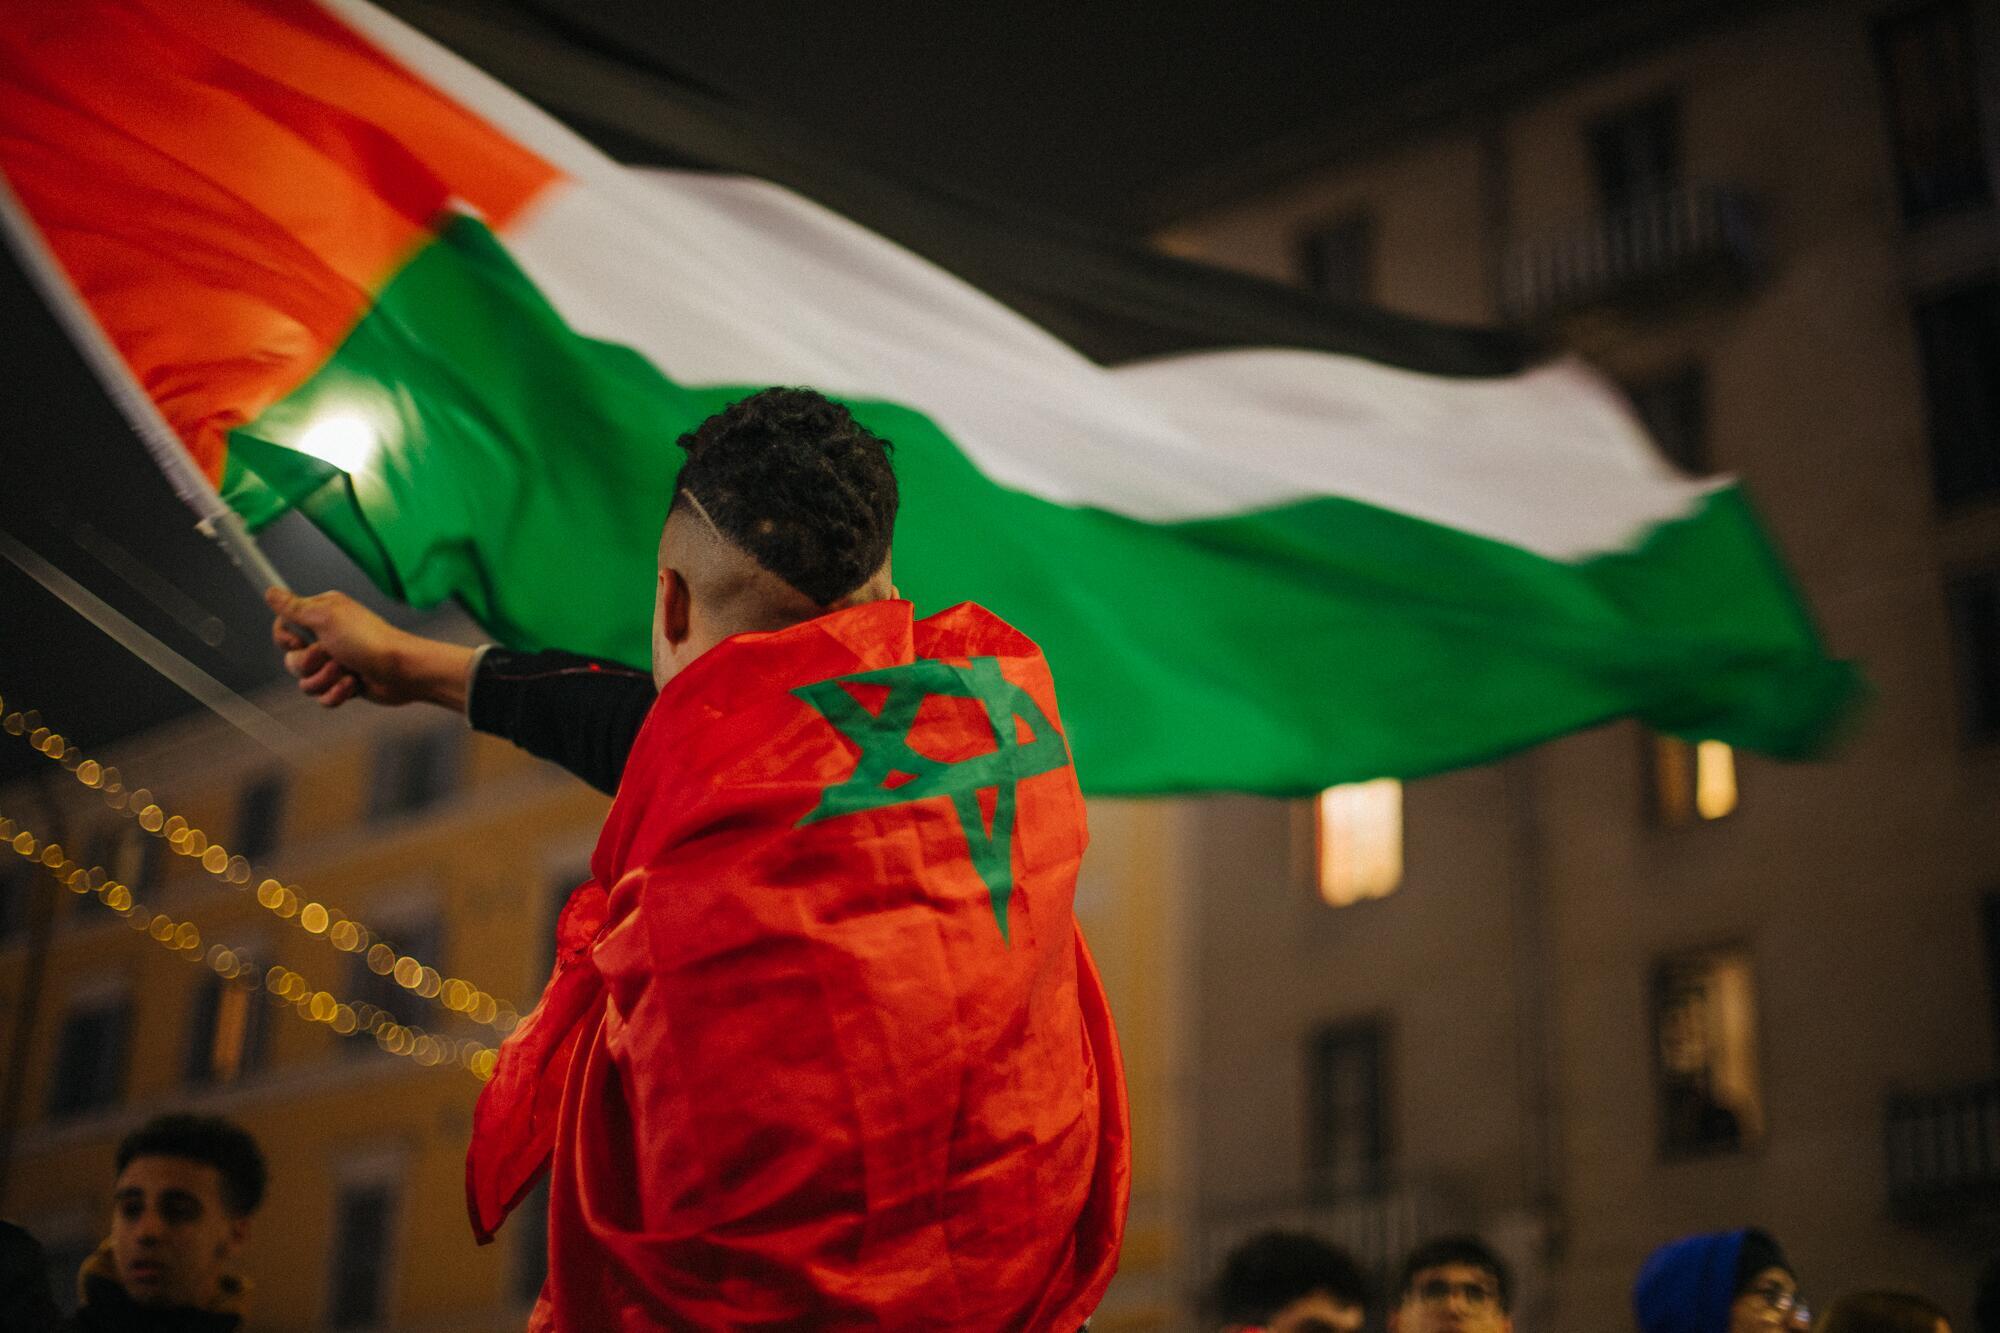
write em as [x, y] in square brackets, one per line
[576, 711]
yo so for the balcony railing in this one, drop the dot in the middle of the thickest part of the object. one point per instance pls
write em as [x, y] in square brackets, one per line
[1944, 1150]
[1377, 1229]
[1658, 248]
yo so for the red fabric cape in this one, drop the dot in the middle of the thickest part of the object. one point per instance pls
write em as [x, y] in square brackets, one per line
[808, 1058]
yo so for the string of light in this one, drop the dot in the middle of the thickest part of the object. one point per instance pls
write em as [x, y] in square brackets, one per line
[282, 900]
[236, 967]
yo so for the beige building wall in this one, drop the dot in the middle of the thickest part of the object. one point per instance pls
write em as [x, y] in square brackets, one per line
[1538, 894]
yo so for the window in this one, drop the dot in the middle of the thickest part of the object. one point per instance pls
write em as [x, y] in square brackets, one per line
[1975, 615]
[420, 938]
[364, 1212]
[258, 812]
[1930, 83]
[90, 1054]
[17, 899]
[1989, 930]
[1636, 152]
[1691, 781]
[412, 772]
[225, 1032]
[1360, 837]
[1705, 1052]
[1958, 335]
[1347, 1139]
[531, 1252]
[1337, 257]
[1674, 410]
[131, 856]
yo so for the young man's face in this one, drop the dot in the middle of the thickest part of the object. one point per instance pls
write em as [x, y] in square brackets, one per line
[1451, 1298]
[171, 1237]
[1770, 1304]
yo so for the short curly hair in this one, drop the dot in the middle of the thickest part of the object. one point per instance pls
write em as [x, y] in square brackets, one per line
[1271, 1270]
[791, 477]
[210, 1140]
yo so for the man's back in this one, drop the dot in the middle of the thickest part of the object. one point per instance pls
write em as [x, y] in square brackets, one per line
[852, 1066]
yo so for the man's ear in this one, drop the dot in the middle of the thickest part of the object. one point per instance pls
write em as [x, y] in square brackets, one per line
[1395, 1319]
[674, 606]
[239, 1234]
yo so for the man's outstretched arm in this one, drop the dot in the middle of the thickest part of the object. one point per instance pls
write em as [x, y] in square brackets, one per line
[575, 711]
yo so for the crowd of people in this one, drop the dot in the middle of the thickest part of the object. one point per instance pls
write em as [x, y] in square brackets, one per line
[1719, 1282]
[187, 1187]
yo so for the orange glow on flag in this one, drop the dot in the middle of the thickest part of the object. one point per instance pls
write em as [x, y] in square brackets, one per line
[227, 184]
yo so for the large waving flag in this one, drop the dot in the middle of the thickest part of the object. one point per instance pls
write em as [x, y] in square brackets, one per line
[360, 278]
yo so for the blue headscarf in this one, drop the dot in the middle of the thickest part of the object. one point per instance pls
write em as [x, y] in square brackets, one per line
[1687, 1285]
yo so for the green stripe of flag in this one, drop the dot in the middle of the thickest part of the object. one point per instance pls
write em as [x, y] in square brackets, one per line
[526, 470]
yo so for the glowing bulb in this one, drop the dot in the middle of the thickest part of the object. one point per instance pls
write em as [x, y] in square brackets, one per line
[344, 439]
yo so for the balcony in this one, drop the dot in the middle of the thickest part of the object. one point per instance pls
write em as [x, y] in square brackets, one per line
[1944, 1152]
[1378, 1229]
[1657, 251]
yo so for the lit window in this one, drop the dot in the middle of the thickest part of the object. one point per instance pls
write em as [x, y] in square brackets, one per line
[226, 1032]
[1705, 1051]
[1692, 781]
[1360, 841]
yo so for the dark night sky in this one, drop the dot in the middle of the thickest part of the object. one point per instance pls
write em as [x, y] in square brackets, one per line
[1115, 114]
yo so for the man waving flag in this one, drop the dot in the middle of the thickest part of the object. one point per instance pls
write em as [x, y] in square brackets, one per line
[823, 1048]
[1267, 544]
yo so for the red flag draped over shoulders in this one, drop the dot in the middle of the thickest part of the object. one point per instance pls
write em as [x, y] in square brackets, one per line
[826, 1049]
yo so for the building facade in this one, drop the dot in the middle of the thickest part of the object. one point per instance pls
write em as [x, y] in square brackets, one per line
[1627, 988]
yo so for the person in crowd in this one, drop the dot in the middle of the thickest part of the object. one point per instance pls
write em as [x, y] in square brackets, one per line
[181, 1206]
[824, 1047]
[1719, 1282]
[1290, 1282]
[1453, 1284]
[26, 1304]
[1883, 1312]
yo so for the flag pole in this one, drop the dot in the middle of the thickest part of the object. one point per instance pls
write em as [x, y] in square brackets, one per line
[213, 518]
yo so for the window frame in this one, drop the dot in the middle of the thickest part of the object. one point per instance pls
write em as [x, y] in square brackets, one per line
[111, 993]
[1916, 204]
[1371, 1033]
[383, 1169]
[1750, 1137]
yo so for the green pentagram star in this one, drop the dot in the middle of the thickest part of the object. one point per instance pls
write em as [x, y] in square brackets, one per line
[884, 740]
